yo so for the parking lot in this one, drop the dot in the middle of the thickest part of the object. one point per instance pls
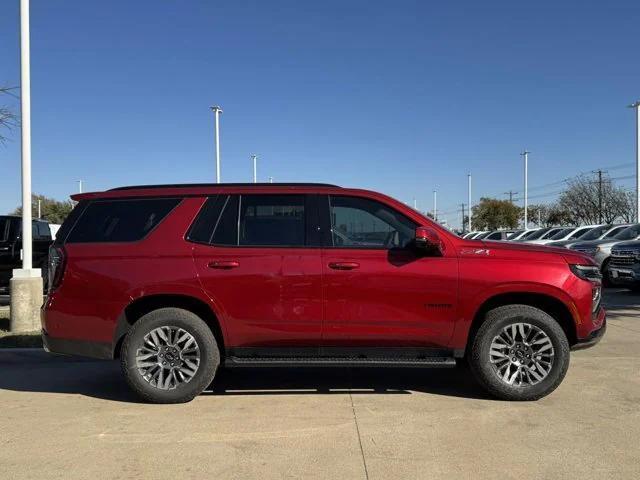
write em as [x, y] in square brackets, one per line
[75, 419]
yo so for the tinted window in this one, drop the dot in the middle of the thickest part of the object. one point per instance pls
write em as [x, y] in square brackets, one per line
[615, 231]
[629, 233]
[536, 234]
[595, 233]
[267, 220]
[559, 234]
[363, 223]
[120, 220]
[226, 228]
[4, 228]
[205, 222]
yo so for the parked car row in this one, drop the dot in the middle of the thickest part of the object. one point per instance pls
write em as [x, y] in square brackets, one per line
[615, 248]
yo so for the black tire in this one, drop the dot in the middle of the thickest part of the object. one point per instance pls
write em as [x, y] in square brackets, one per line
[483, 369]
[170, 317]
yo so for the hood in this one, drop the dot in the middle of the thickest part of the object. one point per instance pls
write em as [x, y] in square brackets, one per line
[628, 244]
[606, 242]
[561, 243]
[523, 251]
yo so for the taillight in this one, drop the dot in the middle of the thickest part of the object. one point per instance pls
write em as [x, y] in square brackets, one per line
[56, 267]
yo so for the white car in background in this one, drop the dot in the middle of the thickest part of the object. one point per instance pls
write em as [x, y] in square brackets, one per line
[567, 233]
[598, 233]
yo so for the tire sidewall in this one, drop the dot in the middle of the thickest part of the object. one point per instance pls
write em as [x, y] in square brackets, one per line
[496, 321]
[209, 355]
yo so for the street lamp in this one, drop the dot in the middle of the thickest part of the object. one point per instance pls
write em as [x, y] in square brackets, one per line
[525, 154]
[435, 205]
[216, 113]
[26, 282]
[254, 157]
[636, 105]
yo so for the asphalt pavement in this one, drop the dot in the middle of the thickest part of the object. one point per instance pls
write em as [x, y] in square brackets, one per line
[71, 418]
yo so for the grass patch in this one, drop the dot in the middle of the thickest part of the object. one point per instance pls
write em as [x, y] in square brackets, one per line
[16, 340]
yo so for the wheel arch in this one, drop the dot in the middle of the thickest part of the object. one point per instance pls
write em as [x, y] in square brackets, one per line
[145, 304]
[549, 304]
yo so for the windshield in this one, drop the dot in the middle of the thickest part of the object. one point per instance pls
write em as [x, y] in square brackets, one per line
[629, 233]
[615, 231]
[579, 233]
[535, 234]
[559, 234]
[4, 229]
[594, 233]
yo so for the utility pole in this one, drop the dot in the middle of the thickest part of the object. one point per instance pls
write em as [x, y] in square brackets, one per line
[254, 157]
[525, 154]
[26, 282]
[469, 197]
[39, 208]
[216, 113]
[599, 172]
[463, 222]
[636, 105]
[435, 205]
[511, 193]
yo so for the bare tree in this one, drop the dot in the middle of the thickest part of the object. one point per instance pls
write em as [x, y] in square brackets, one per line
[8, 119]
[588, 201]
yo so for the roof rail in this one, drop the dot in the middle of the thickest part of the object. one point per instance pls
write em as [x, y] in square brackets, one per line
[200, 185]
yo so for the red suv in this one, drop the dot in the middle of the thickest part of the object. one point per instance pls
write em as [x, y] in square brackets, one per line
[176, 280]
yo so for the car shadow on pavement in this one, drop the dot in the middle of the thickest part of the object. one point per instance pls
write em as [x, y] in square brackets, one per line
[38, 372]
[454, 382]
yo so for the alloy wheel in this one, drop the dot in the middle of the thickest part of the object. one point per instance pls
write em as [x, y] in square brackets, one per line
[521, 354]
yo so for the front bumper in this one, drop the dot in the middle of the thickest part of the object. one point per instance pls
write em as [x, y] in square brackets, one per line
[624, 275]
[80, 348]
[592, 339]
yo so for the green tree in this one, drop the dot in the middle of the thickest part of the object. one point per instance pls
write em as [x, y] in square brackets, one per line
[52, 210]
[492, 214]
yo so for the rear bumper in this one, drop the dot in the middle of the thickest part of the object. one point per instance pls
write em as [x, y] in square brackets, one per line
[80, 348]
[592, 339]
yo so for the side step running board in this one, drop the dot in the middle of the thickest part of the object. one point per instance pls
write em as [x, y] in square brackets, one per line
[428, 362]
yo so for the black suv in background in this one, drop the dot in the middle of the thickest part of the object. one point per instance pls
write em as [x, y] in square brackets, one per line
[624, 266]
[11, 244]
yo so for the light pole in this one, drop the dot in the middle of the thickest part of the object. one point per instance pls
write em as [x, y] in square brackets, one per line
[435, 205]
[636, 105]
[216, 113]
[469, 199]
[525, 154]
[26, 282]
[254, 157]
[79, 186]
[415, 204]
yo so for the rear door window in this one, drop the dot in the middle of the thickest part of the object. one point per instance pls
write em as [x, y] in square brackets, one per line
[272, 220]
[120, 220]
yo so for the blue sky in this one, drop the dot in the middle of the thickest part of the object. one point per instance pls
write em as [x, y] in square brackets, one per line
[394, 96]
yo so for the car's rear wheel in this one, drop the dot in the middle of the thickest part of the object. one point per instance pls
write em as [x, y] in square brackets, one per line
[169, 356]
[519, 353]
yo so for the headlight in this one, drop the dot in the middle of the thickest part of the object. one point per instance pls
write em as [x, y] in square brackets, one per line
[596, 296]
[586, 272]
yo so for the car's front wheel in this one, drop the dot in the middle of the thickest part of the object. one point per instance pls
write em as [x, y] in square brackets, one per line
[519, 353]
[169, 356]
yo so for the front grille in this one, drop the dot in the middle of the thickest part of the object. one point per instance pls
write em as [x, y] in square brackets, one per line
[624, 258]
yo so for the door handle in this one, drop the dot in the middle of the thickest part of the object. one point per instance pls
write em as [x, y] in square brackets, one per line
[224, 264]
[344, 265]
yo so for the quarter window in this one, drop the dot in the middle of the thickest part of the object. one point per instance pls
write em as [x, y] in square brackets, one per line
[364, 223]
[120, 220]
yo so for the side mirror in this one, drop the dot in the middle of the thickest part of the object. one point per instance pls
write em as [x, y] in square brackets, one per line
[427, 239]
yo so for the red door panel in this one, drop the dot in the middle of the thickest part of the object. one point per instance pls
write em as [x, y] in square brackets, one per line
[387, 298]
[266, 296]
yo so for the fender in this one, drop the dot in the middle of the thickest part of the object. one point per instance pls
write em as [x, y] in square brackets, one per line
[470, 308]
